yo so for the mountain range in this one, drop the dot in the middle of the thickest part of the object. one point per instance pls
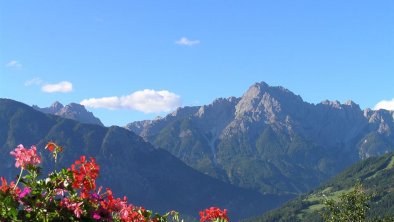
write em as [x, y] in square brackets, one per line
[73, 111]
[148, 176]
[270, 140]
[248, 154]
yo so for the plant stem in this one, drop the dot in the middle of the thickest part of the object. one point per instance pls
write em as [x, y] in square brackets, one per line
[55, 157]
[19, 178]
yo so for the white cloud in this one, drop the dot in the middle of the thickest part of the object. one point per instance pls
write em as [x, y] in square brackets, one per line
[63, 87]
[187, 42]
[14, 64]
[147, 101]
[35, 81]
[385, 104]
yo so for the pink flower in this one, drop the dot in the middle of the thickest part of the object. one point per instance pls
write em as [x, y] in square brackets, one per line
[60, 191]
[96, 196]
[77, 209]
[74, 206]
[28, 209]
[25, 157]
[25, 192]
[96, 216]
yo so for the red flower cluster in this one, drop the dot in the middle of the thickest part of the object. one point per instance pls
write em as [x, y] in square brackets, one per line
[85, 174]
[127, 212]
[14, 190]
[213, 214]
[4, 185]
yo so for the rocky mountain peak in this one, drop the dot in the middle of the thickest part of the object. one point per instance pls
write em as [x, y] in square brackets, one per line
[381, 120]
[183, 111]
[53, 109]
[74, 108]
[256, 90]
[351, 103]
[56, 106]
[377, 115]
[73, 111]
[263, 101]
[251, 99]
[334, 104]
[217, 106]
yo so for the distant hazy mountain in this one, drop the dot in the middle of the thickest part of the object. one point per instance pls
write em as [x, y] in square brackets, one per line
[150, 177]
[71, 111]
[377, 176]
[270, 139]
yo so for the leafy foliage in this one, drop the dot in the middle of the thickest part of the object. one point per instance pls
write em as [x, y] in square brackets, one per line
[352, 206]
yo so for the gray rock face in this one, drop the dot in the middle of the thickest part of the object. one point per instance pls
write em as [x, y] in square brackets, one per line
[71, 111]
[53, 109]
[270, 139]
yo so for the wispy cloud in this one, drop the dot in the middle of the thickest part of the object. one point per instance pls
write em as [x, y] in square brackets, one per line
[14, 64]
[187, 42]
[385, 104]
[35, 81]
[63, 87]
[147, 101]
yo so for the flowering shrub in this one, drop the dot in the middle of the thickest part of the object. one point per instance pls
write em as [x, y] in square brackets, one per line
[72, 195]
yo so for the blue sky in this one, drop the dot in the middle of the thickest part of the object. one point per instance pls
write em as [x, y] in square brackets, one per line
[133, 60]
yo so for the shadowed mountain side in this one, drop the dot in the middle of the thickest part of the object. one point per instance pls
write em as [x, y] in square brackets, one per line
[129, 165]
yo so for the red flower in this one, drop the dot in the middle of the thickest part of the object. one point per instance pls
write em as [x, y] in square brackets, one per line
[118, 206]
[85, 174]
[4, 185]
[131, 213]
[112, 204]
[51, 146]
[14, 189]
[213, 214]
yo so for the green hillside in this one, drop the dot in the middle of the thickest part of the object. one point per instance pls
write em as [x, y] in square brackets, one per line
[376, 175]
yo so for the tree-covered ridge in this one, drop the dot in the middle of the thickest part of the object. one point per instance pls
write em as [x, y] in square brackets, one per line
[376, 174]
